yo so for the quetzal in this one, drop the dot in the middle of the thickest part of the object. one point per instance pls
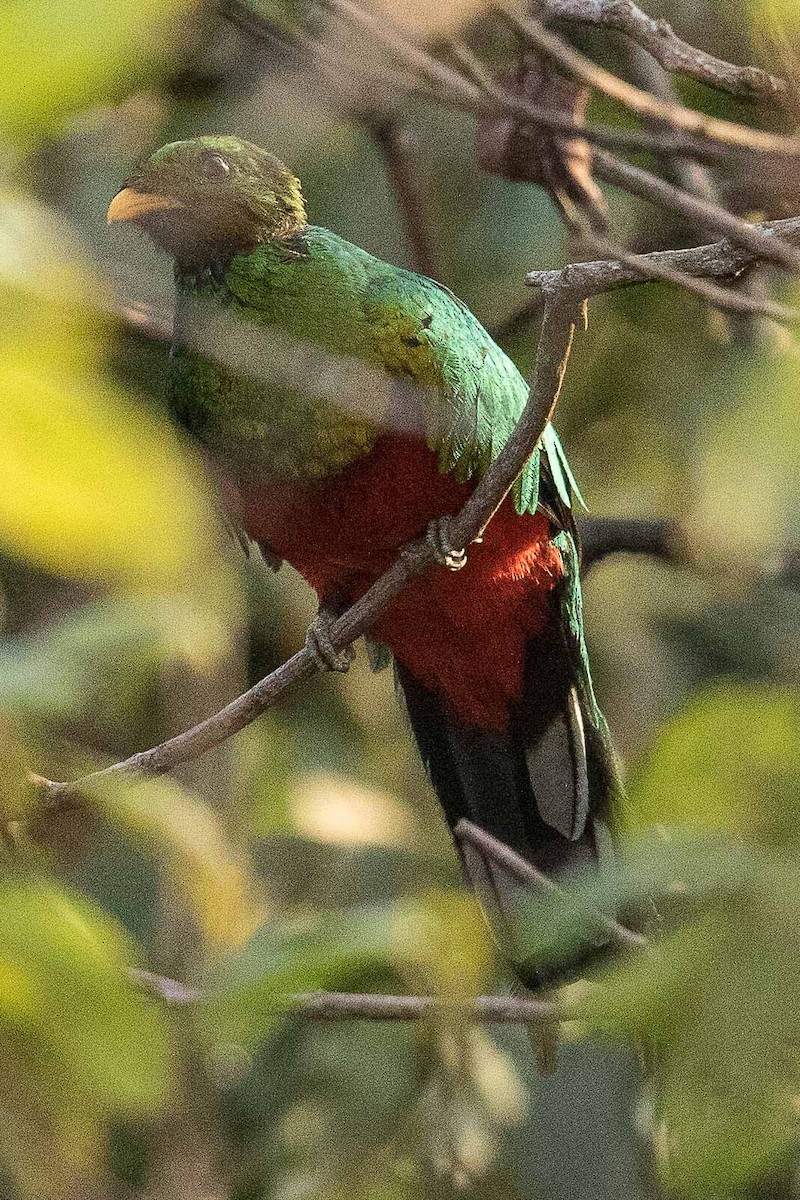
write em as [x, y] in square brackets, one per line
[491, 659]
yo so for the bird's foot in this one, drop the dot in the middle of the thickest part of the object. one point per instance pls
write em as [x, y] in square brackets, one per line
[320, 645]
[438, 538]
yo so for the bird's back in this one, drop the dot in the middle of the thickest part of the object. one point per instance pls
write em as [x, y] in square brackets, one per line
[317, 289]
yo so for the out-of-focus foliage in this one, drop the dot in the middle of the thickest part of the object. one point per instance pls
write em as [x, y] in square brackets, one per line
[308, 853]
[79, 1045]
[57, 57]
[94, 488]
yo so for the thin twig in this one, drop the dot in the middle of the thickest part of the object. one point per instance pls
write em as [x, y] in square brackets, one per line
[643, 103]
[145, 320]
[650, 187]
[370, 1006]
[525, 873]
[554, 346]
[343, 71]
[660, 40]
[488, 98]
[395, 143]
[666, 143]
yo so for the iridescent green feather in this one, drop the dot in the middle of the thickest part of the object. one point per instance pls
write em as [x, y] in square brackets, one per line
[322, 289]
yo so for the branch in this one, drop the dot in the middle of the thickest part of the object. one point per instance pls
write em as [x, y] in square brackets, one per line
[554, 346]
[486, 97]
[635, 180]
[644, 104]
[344, 73]
[720, 297]
[724, 260]
[658, 537]
[525, 873]
[665, 538]
[660, 40]
[394, 142]
[655, 190]
[354, 1006]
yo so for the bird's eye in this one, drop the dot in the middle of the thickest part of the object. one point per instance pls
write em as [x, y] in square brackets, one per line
[214, 166]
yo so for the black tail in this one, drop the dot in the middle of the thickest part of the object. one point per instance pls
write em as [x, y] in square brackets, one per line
[544, 789]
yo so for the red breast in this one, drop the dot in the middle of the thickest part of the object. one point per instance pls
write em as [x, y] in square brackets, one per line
[462, 634]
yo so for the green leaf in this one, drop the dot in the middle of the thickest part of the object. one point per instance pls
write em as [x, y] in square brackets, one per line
[199, 858]
[730, 760]
[79, 1046]
[248, 990]
[94, 488]
[718, 1007]
[52, 676]
[58, 56]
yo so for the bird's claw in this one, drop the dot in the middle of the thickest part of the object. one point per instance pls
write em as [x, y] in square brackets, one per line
[438, 537]
[320, 645]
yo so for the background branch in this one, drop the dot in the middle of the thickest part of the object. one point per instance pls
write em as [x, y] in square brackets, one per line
[644, 104]
[726, 259]
[371, 1006]
[396, 145]
[660, 40]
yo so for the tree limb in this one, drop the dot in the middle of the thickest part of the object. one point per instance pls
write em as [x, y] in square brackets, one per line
[485, 97]
[659, 39]
[394, 141]
[723, 260]
[644, 104]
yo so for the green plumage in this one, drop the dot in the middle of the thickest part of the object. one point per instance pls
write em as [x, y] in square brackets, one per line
[255, 287]
[318, 288]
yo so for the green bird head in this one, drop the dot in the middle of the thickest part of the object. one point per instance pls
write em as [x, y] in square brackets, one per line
[204, 200]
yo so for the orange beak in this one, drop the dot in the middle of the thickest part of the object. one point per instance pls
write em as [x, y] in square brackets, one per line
[129, 204]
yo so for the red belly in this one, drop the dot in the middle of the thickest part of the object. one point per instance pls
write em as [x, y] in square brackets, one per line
[462, 634]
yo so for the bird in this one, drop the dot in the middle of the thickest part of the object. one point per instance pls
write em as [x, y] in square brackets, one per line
[488, 645]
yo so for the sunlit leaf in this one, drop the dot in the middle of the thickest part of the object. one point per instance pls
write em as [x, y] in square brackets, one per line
[718, 1007]
[51, 676]
[748, 474]
[58, 55]
[331, 809]
[730, 760]
[93, 487]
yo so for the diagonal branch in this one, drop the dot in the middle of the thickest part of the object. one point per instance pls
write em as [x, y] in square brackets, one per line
[454, 88]
[651, 269]
[655, 190]
[528, 875]
[394, 141]
[644, 104]
[659, 39]
[554, 346]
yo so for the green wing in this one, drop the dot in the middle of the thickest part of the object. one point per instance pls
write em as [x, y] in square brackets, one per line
[571, 607]
[420, 331]
[331, 292]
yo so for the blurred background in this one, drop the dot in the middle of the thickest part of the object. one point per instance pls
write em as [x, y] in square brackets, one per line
[309, 852]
